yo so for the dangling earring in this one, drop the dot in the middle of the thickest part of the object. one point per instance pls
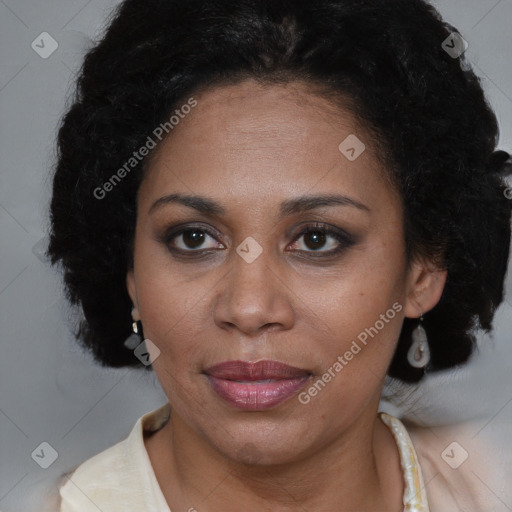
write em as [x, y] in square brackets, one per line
[419, 352]
[135, 338]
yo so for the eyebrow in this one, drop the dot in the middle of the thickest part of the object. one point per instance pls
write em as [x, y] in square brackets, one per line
[290, 206]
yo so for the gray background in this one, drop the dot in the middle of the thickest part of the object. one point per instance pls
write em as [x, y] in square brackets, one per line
[51, 391]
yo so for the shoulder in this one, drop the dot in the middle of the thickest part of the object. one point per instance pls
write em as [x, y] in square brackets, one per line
[116, 479]
[99, 479]
[459, 468]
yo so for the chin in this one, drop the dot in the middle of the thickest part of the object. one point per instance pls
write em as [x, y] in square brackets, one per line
[263, 445]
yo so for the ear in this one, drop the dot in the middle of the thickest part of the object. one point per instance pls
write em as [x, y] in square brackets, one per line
[425, 285]
[132, 292]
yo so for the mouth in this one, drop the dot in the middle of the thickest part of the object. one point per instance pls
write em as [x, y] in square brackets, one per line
[256, 386]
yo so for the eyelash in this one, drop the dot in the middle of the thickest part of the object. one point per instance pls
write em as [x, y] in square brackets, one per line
[344, 239]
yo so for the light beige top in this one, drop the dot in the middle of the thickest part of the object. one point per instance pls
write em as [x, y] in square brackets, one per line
[121, 478]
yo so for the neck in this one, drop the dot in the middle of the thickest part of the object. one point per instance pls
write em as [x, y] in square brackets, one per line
[360, 471]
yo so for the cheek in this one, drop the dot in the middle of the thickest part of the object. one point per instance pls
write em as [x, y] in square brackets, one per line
[362, 326]
[361, 307]
[172, 308]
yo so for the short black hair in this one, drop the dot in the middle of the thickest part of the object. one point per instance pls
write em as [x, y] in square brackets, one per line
[424, 104]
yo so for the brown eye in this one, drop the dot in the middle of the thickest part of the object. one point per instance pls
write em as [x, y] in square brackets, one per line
[191, 239]
[315, 240]
[322, 239]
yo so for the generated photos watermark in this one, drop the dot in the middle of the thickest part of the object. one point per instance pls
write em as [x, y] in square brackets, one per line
[343, 360]
[137, 156]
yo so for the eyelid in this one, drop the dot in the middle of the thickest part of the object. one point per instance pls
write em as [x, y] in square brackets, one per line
[343, 238]
[173, 232]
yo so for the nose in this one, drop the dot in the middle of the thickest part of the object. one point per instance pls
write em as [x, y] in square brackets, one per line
[254, 298]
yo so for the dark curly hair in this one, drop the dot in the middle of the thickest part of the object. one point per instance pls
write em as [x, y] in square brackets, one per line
[425, 107]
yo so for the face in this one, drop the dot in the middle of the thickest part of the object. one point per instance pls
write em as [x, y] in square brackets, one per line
[270, 271]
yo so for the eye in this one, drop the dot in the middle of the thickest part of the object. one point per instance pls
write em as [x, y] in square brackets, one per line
[191, 239]
[322, 239]
[315, 240]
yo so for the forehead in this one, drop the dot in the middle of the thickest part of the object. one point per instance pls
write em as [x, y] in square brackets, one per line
[241, 115]
[252, 142]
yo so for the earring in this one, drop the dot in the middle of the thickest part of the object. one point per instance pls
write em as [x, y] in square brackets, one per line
[419, 352]
[136, 337]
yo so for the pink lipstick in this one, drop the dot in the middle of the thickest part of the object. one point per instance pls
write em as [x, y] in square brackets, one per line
[256, 386]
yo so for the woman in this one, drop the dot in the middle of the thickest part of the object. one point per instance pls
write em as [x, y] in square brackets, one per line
[285, 202]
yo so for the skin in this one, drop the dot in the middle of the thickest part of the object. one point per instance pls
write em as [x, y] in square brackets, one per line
[249, 148]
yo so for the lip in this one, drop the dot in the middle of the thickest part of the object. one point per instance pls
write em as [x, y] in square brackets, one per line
[256, 386]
